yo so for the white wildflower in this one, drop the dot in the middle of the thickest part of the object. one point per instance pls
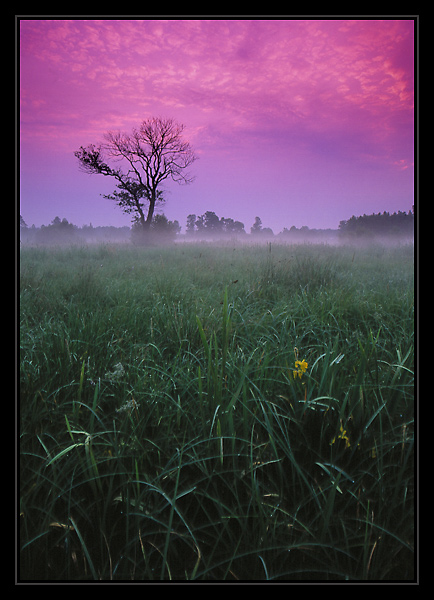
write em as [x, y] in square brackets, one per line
[117, 373]
[128, 405]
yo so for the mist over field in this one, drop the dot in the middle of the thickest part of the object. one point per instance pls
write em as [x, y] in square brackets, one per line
[386, 229]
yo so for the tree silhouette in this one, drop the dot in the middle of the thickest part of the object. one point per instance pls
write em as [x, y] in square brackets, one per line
[140, 163]
[257, 226]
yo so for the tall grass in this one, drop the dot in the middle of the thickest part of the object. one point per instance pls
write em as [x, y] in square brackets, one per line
[166, 433]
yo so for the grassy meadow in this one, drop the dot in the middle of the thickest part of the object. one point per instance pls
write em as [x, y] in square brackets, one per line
[203, 413]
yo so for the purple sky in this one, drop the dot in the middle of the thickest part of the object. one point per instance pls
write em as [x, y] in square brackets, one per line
[299, 122]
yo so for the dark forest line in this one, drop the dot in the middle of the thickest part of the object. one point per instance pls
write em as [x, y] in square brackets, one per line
[378, 226]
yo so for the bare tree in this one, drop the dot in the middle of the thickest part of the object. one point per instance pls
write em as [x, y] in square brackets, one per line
[144, 159]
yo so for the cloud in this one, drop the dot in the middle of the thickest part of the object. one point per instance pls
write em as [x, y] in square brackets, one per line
[319, 82]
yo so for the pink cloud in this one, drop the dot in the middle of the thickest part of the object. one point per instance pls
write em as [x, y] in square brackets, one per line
[261, 66]
[323, 90]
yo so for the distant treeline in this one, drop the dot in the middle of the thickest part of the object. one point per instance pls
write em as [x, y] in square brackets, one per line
[210, 226]
[60, 231]
[381, 225]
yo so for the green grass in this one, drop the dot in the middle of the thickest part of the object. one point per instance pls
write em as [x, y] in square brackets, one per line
[163, 435]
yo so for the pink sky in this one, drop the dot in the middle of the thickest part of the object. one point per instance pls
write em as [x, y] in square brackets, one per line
[299, 122]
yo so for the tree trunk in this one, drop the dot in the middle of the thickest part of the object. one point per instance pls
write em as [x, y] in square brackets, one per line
[143, 235]
[152, 200]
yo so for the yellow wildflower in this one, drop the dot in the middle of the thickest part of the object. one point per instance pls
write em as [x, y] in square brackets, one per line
[342, 436]
[300, 366]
